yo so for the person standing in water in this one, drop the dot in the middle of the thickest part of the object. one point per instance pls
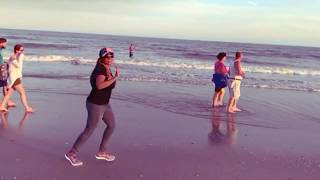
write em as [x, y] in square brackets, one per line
[15, 77]
[4, 68]
[236, 74]
[102, 82]
[131, 50]
[219, 79]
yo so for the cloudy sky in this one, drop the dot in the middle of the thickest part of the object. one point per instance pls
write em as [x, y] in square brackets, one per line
[293, 22]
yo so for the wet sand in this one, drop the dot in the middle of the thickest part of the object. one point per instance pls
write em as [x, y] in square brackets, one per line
[276, 137]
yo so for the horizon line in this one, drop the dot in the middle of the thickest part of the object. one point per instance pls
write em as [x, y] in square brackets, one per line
[153, 37]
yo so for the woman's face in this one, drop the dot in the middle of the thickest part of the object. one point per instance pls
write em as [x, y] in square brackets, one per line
[21, 50]
[108, 60]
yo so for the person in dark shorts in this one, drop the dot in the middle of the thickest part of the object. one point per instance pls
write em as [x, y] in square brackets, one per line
[3, 65]
[131, 50]
[219, 79]
[102, 82]
[14, 81]
[4, 71]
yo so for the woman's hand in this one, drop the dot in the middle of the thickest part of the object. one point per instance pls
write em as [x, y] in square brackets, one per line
[13, 57]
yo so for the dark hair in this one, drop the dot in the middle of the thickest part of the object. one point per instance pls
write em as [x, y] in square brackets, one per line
[3, 40]
[238, 55]
[100, 59]
[221, 55]
[17, 47]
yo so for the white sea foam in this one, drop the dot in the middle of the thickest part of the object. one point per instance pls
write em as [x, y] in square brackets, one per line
[57, 58]
[177, 64]
[283, 71]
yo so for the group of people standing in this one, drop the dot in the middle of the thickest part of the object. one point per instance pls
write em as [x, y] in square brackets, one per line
[231, 77]
[11, 77]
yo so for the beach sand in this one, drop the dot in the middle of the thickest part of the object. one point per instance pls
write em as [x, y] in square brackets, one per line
[164, 131]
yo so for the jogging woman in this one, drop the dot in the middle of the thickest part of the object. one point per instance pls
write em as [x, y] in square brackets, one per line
[102, 82]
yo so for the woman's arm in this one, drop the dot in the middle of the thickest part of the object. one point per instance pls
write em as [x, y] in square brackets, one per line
[101, 83]
[223, 69]
[16, 60]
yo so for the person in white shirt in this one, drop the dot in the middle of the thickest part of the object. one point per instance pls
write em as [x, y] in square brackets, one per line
[236, 74]
[15, 77]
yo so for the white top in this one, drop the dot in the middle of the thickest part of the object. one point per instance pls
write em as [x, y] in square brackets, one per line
[232, 73]
[15, 68]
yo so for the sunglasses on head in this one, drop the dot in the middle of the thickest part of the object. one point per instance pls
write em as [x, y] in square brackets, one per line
[110, 54]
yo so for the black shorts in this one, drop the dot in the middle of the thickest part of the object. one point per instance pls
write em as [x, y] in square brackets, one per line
[3, 83]
[218, 89]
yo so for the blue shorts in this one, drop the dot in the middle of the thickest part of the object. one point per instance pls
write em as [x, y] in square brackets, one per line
[3, 83]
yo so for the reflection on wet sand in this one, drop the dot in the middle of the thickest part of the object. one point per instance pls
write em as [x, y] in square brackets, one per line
[217, 134]
[23, 120]
[4, 119]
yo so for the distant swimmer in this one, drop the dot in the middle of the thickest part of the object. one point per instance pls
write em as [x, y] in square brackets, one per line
[132, 48]
[236, 74]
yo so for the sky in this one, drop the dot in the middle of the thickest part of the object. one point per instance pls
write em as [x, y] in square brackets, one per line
[291, 22]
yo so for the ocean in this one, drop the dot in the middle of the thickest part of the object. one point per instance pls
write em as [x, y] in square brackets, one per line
[59, 55]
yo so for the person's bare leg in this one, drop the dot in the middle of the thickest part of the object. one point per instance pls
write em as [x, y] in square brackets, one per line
[230, 105]
[235, 108]
[10, 103]
[5, 100]
[214, 99]
[23, 98]
[220, 97]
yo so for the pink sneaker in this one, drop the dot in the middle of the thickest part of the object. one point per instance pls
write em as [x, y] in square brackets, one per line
[105, 156]
[72, 158]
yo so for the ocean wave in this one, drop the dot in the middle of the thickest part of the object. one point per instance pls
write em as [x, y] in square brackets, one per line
[58, 58]
[263, 84]
[167, 64]
[282, 71]
[43, 45]
[266, 86]
[55, 76]
[178, 64]
[16, 37]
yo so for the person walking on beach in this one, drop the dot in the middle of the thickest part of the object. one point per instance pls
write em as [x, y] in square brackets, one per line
[131, 50]
[219, 79]
[4, 68]
[15, 77]
[236, 74]
[102, 82]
